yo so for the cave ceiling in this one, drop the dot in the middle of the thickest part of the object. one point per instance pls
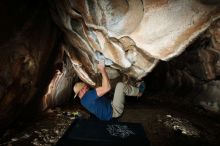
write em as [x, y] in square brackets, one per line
[133, 35]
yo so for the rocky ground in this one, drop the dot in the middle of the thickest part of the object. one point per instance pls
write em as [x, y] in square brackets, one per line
[164, 126]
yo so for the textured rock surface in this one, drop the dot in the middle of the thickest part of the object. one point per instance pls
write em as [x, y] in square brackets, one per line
[194, 74]
[134, 34]
[26, 58]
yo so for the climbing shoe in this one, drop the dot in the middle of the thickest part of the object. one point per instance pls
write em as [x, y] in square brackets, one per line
[141, 86]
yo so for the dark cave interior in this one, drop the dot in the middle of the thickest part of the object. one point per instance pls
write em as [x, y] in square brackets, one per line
[183, 91]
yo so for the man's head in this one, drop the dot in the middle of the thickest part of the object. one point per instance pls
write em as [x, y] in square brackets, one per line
[80, 89]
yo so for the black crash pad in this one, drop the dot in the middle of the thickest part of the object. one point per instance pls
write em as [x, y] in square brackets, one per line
[84, 132]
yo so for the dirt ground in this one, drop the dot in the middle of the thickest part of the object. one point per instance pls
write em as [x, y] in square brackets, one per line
[165, 125]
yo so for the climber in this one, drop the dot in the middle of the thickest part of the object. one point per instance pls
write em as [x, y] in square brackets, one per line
[94, 100]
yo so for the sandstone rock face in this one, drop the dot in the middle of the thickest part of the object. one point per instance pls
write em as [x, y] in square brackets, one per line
[133, 34]
[193, 75]
[26, 59]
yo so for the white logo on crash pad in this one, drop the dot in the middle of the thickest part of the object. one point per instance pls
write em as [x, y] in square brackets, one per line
[119, 131]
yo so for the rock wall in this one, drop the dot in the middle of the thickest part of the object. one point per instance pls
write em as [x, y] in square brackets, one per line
[27, 57]
[194, 75]
[133, 34]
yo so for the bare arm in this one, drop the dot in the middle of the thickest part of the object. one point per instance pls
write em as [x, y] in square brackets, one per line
[106, 87]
